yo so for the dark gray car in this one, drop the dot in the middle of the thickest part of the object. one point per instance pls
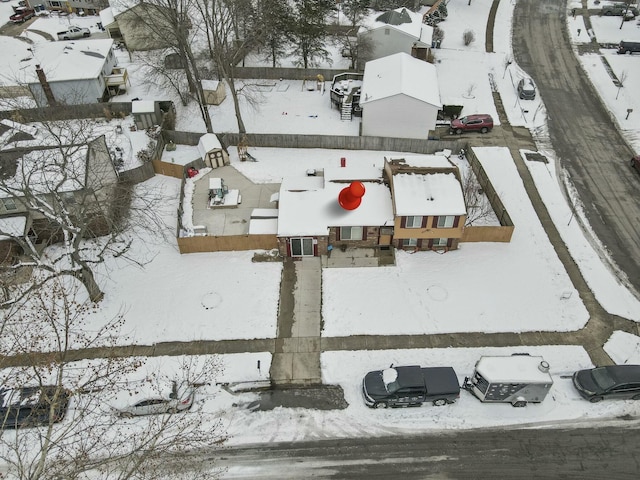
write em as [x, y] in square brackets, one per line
[410, 386]
[526, 89]
[617, 381]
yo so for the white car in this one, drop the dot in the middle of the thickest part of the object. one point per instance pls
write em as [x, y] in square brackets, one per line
[157, 405]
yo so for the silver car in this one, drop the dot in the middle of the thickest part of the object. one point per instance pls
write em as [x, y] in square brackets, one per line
[158, 405]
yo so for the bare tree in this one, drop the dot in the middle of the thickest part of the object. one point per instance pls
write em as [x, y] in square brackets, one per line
[87, 439]
[227, 43]
[352, 47]
[168, 24]
[477, 203]
[75, 212]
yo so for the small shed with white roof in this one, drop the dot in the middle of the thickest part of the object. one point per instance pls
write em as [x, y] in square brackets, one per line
[400, 97]
[211, 151]
[214, 92]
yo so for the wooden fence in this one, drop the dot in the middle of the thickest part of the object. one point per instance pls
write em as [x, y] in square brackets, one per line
[227, 243]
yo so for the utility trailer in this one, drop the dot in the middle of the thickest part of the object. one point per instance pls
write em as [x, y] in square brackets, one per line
[517, 379]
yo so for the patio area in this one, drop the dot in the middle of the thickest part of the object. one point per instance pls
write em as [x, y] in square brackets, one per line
[235, 219]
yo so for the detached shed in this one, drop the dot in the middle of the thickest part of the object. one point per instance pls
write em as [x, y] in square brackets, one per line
[146, 114]
[214, 92]
[211, 151]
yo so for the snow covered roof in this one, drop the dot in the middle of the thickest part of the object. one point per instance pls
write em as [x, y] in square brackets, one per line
[143, 106]
[309, 206]
[207, 143]
[106, 16]
[405, 21]
[210, 84]
[50, 170]
[67, 60]
[513, 369]
[13, 226]
[428, 194]
[397, 74]
[423, 161]
[121, 6]
[362, 173]
[263, 226]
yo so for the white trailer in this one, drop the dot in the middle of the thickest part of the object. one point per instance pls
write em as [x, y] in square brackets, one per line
[516, 379]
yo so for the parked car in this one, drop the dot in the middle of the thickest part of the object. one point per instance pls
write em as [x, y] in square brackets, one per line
[31, 406]
[410, 386]
[619, 9]
[74, 32]
[628, 47]
[22, 15]
[526, 89]
[617, 381]
[472, 123]
[635, 162]
[176, 402]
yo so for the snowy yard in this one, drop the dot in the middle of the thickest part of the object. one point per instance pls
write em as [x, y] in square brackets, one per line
[515, 287]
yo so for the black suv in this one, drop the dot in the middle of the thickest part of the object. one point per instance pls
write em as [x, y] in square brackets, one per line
[410, 386]
[31, 406]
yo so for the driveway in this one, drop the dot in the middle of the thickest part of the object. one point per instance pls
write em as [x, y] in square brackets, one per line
[586, 140]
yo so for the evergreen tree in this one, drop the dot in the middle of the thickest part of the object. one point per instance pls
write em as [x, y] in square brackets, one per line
[309, 31]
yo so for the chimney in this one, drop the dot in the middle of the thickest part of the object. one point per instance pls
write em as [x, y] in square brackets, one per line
[46, 88]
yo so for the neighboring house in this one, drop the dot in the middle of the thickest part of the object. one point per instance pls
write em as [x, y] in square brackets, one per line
[81, 7]
[310, 217]
[428, 202]
[400, 97]
[68, 72]
[396, 31]
[140, 25]
[83, 176]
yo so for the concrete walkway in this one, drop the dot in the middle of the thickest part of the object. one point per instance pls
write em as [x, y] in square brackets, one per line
[296, 357]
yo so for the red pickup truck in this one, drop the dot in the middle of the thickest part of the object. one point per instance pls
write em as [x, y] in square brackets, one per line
[22, 15]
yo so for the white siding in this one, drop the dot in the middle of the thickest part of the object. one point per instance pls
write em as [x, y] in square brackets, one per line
[399, 116]
[395, 42]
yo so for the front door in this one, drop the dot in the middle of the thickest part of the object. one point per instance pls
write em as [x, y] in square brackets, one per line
[302, 247]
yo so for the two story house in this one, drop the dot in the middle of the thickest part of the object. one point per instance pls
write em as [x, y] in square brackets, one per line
[396, 31]
[38, 179]
[428, 202]
[413, 203]
[68, 72]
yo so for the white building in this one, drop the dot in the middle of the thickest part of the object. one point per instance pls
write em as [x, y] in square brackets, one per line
[396, 31]
[400, 97]
[69, 72]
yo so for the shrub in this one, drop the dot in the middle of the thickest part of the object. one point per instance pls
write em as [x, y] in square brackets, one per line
[468, 37]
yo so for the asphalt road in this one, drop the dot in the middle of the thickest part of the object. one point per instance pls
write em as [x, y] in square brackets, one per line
[593, 453]
[584, 137]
